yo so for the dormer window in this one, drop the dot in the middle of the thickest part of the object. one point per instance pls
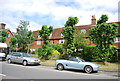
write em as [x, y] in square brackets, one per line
[61, 35]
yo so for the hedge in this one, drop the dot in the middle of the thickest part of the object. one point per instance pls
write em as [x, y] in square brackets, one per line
[91, 53]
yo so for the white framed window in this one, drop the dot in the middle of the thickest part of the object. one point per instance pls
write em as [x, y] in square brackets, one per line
[117, 39]
[39, 42]
[9, 35]
[38, 36]
[83, 30]
[53, 42]
[50, 35]
[61, 41]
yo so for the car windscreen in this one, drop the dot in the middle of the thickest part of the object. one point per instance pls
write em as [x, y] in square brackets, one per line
[26, 55]
[80, 59]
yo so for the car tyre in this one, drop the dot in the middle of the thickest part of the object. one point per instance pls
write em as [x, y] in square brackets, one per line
[9, 61]
[24, 63]
[88, 69]
[60, 67]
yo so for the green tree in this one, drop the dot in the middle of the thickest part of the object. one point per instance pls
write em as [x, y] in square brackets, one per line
[13, 42]
[45, 50]
[79, 40]
[24, 36]
[45, 33]
[103, 35]
[68, 32]
[30, 38]
[3, 35]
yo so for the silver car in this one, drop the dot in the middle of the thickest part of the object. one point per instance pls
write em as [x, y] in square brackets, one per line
[23, 58]
[76, 63]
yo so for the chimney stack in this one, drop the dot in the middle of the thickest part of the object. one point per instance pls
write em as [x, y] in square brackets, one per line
[2, 26]
[93, 20]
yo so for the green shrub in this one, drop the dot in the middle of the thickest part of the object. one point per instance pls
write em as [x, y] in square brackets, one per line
[92, 53]
[113, 54]
[44, 51]
[33, 52]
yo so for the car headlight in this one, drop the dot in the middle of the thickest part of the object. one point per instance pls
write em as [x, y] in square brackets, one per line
[32, 61]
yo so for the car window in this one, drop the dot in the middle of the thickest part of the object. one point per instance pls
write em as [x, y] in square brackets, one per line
[73, 59]
[26, 55]
[17, 55]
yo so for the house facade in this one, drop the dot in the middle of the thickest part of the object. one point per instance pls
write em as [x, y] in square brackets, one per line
[56, 36]
[10, 34]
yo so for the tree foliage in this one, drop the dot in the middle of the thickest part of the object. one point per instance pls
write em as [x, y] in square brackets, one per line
[13, 42]
[3, 35]
[68, 32]
[24, 36]
[58, 47]
[44, 51]
[30, 38]
[103, 35]
[45, 33]
[79, 40]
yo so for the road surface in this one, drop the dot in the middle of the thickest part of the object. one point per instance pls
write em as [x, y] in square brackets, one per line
[18, 71]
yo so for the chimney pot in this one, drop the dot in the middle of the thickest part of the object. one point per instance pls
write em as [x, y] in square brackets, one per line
[93, 20]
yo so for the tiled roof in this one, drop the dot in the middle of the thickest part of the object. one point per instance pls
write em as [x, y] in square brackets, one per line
[56, 34]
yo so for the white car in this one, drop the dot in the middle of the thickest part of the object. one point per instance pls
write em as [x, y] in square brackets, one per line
[2, 56]
[76, 63]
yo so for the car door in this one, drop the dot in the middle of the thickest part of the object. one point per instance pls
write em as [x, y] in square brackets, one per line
[20, 58]
[73, 63]
[14, 57]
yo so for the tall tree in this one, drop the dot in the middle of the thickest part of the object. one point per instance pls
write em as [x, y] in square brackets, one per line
[45, 33]
[103, 35]
[3, 35]
[24, 36]
[13, 42]
[68, 32]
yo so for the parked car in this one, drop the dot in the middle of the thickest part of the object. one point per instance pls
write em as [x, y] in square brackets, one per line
[2, 56]
[3, 51]
[76, 63]
[23, 58]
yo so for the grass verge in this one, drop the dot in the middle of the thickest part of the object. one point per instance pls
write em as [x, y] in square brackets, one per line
[107, 67]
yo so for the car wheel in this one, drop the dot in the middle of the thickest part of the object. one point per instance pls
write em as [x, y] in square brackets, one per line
[88, 69]
[60, 67]
[24, 63]
[9, 61]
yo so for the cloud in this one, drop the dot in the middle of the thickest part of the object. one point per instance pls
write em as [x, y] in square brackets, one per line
[55, 12]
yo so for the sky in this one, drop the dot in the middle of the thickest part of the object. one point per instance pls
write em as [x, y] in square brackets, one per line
[54, 12]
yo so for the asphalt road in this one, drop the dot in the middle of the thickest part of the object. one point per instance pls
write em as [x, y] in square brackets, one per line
[18, 71]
